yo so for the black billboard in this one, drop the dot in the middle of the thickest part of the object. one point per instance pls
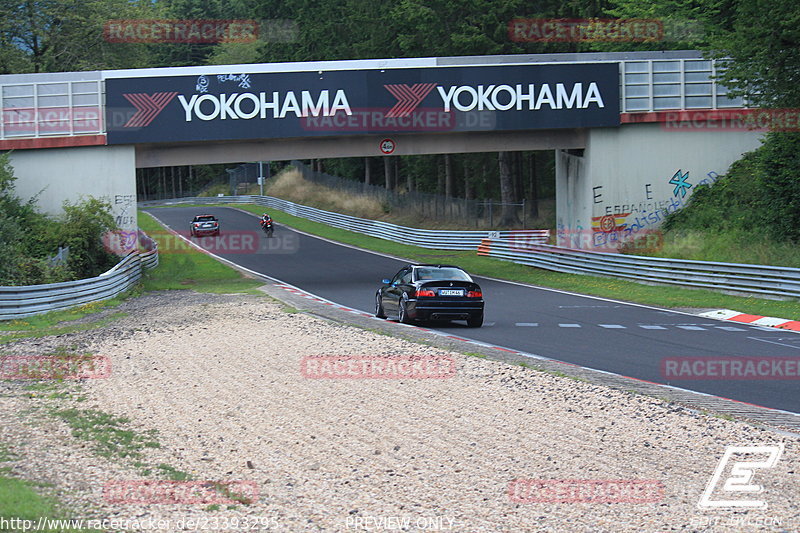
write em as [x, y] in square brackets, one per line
[355, 102]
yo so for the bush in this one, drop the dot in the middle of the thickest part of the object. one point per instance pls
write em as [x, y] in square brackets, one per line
[81, 228]
[760, 194]
[29, 238]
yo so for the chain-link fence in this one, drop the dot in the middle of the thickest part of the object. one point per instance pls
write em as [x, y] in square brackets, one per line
[436, 207]
[221, 185]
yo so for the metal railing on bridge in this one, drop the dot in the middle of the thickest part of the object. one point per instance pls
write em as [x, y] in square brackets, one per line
[72, 103]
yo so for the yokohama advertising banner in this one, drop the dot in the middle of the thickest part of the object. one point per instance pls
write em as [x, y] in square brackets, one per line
[356, 102]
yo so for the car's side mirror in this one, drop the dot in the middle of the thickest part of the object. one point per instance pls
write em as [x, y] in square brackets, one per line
[386, 281]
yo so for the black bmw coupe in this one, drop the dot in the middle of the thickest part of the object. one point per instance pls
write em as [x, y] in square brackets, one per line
[430, 292]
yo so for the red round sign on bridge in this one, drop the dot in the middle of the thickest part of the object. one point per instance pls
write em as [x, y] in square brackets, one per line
[387, 146]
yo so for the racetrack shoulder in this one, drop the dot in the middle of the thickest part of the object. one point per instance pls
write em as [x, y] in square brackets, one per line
[220, 378]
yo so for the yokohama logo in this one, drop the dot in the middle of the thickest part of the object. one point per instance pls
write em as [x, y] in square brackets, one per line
[148, 106]
[408, 98]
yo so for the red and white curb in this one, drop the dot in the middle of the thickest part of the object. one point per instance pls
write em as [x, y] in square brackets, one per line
[755, 320]
[702, 396]
[795, 326]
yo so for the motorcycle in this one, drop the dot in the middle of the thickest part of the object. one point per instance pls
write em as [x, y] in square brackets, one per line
[266, 225]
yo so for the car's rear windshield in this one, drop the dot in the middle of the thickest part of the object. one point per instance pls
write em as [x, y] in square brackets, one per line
[424, 273]
[208, 218]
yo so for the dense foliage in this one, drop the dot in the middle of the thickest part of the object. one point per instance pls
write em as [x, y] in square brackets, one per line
[28, 238]
[760, 195]
[760, 36]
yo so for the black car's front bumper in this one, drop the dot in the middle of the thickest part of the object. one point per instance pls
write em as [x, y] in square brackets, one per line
[444, 309]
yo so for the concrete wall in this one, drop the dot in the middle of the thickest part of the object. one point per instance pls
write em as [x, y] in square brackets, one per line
[621, 184]
[58, 174]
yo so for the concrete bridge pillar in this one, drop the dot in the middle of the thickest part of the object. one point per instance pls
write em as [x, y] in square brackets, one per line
[622, 185]
[54, 175]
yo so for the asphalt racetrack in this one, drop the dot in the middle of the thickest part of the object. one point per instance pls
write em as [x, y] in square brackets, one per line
[625, 339]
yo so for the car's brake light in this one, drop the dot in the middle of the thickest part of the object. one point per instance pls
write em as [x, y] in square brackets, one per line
[425, 292]
[474, 294]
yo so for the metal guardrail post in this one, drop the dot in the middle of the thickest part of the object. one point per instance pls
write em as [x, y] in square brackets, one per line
[732, 277]
[437, 239]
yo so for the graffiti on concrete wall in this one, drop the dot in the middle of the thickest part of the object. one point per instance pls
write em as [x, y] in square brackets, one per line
[680, 183]
[124, 210]
[621, 223]
[710, 179]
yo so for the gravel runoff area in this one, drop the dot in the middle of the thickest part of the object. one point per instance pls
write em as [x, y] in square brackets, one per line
[219, 377]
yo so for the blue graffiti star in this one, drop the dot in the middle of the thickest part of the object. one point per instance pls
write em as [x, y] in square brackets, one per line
[679, 181]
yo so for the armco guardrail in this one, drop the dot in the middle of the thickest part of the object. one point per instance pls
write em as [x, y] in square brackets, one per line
[27, 300]
[439, 239]
[758, 279]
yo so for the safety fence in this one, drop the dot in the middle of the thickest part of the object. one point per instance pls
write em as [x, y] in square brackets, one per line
[439, 239]
[28, 300]
[756, 279]
[467, 212]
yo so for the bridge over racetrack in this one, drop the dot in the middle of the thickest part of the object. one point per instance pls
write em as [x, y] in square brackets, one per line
[624, 125]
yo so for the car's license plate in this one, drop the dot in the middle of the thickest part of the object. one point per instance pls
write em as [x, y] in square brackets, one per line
[451, 292]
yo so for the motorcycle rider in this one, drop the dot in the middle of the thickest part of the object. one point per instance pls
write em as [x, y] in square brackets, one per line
[266, 224]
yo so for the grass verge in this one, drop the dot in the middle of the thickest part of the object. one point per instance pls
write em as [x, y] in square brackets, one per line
[191, 269]
[20, 501]
[108, 433]
[731, 246]
[659, 296]
[61, 322]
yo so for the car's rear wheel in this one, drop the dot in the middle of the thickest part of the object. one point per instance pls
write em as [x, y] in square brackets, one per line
[476, 321]
[402, 314]
[379, 307]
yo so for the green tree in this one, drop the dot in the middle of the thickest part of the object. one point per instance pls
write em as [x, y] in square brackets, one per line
[764, 45]
[68, 35]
